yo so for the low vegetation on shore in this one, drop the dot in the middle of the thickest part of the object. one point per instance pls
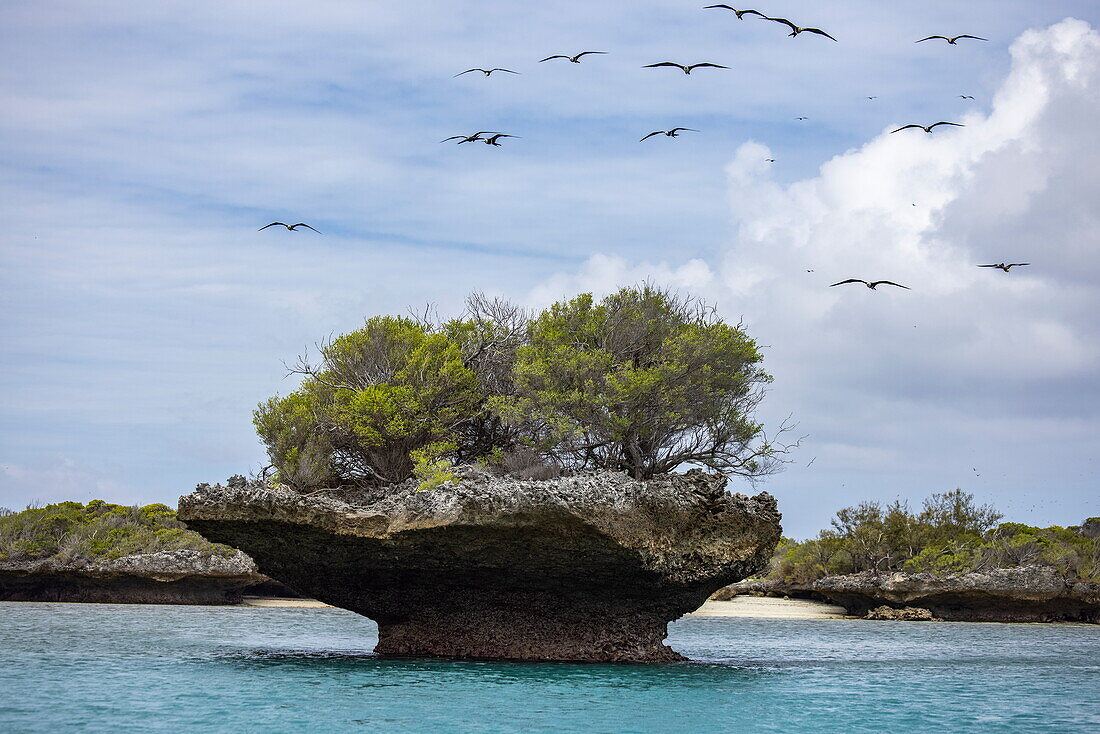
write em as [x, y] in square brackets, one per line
[71, 532]
[950, 534]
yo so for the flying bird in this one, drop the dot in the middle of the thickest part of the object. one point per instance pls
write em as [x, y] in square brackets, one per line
[469, 138]
[795, 30]
[927, 129]
[486, 72]
[494, 139]
[954, 39]
[740, 13]
[965, 96]
[575, 59]
[673, 133]
[769, 160]
[685, 69]
[872, 98]
[1005, 266]
[291, 227]
[802, 118]
[873, 284]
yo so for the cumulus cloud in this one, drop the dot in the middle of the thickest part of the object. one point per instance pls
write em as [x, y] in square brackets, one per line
[974, 377]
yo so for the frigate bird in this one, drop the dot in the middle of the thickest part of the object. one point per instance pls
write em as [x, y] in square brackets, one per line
[486, 72]
[673, 133]
[575, 59]
[291, 227]
[685, 69]
[469, 138]
[795, 30]
[740, 13]
[769, 160]
[928, 128]
[965, 96]
[802, 118]
[953, 39]
[495, 139]
[872, 284]
[1005, 266]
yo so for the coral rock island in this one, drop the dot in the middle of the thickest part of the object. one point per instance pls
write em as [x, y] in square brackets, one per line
[590, 567]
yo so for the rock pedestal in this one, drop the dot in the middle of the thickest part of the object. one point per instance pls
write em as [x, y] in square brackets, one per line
[581, 568]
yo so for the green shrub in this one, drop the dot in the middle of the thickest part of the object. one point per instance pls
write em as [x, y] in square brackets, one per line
[70, 531]
[642, 381]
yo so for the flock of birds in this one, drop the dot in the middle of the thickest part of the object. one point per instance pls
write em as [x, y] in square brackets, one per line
[493, 137]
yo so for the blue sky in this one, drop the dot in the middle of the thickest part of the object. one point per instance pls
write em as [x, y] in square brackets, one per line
[143, 316]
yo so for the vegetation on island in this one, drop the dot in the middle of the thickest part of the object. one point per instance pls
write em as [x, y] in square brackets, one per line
[71, 532]
[950, 534]
[641, 381]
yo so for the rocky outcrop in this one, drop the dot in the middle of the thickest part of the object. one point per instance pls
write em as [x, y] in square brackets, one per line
[168, 577]
[585, 568]
[1023, 594]
[905, 614]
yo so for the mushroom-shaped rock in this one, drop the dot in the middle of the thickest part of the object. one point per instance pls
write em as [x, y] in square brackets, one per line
[589, 567]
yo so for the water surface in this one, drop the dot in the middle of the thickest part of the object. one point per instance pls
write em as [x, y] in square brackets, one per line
[101, 667]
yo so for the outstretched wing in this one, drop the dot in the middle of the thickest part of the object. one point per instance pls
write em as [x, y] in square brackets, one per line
[509, 71]
[678, 129]
[655, 132]
[850, 280]
[1013, 265]
[906, 127]
[665, 63]
[468, 71]
[989, 266]
[889, 282]
[707, 63]
[555, 56]
[976, 38]
[818, 31]
[931, 37]
[585, 53]
[743, 13]
[956, 124]
[273, 224]
[784, 21]
[303, 224]
[720, 5]
[444, 140]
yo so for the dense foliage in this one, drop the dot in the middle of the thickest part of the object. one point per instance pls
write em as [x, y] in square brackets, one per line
[950, 534]
[70, 531]
[641, 381]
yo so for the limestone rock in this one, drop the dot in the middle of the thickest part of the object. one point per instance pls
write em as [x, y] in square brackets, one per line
[905, 614]
[589, 567]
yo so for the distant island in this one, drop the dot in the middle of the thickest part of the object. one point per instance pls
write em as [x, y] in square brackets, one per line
[953, 558]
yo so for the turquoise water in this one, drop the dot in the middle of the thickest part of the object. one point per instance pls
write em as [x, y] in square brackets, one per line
[142, 668]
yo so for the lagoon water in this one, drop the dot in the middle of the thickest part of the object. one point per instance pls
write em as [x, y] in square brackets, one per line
[142, 668]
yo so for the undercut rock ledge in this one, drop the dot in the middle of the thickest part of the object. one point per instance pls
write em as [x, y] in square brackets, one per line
[583, 568]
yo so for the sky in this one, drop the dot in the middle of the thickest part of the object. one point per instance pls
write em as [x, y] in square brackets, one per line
[143, 316]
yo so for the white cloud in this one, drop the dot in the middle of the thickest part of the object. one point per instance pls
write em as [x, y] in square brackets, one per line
[967, 367]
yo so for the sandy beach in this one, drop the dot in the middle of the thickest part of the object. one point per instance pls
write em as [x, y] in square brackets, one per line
[741, 606]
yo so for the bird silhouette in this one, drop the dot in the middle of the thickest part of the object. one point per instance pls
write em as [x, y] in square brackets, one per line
[769, 160]
[575, 59]
[495, 139]
[954, 39]
[1005, 266]
[927, 129]
[673, 133]
[795, 30]
[486, 72]
[873, 284]
[872, 98]
[802, 118]
[685, 69]
[965, 96]
[740, 13]
[291, 227]
[469, 138]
